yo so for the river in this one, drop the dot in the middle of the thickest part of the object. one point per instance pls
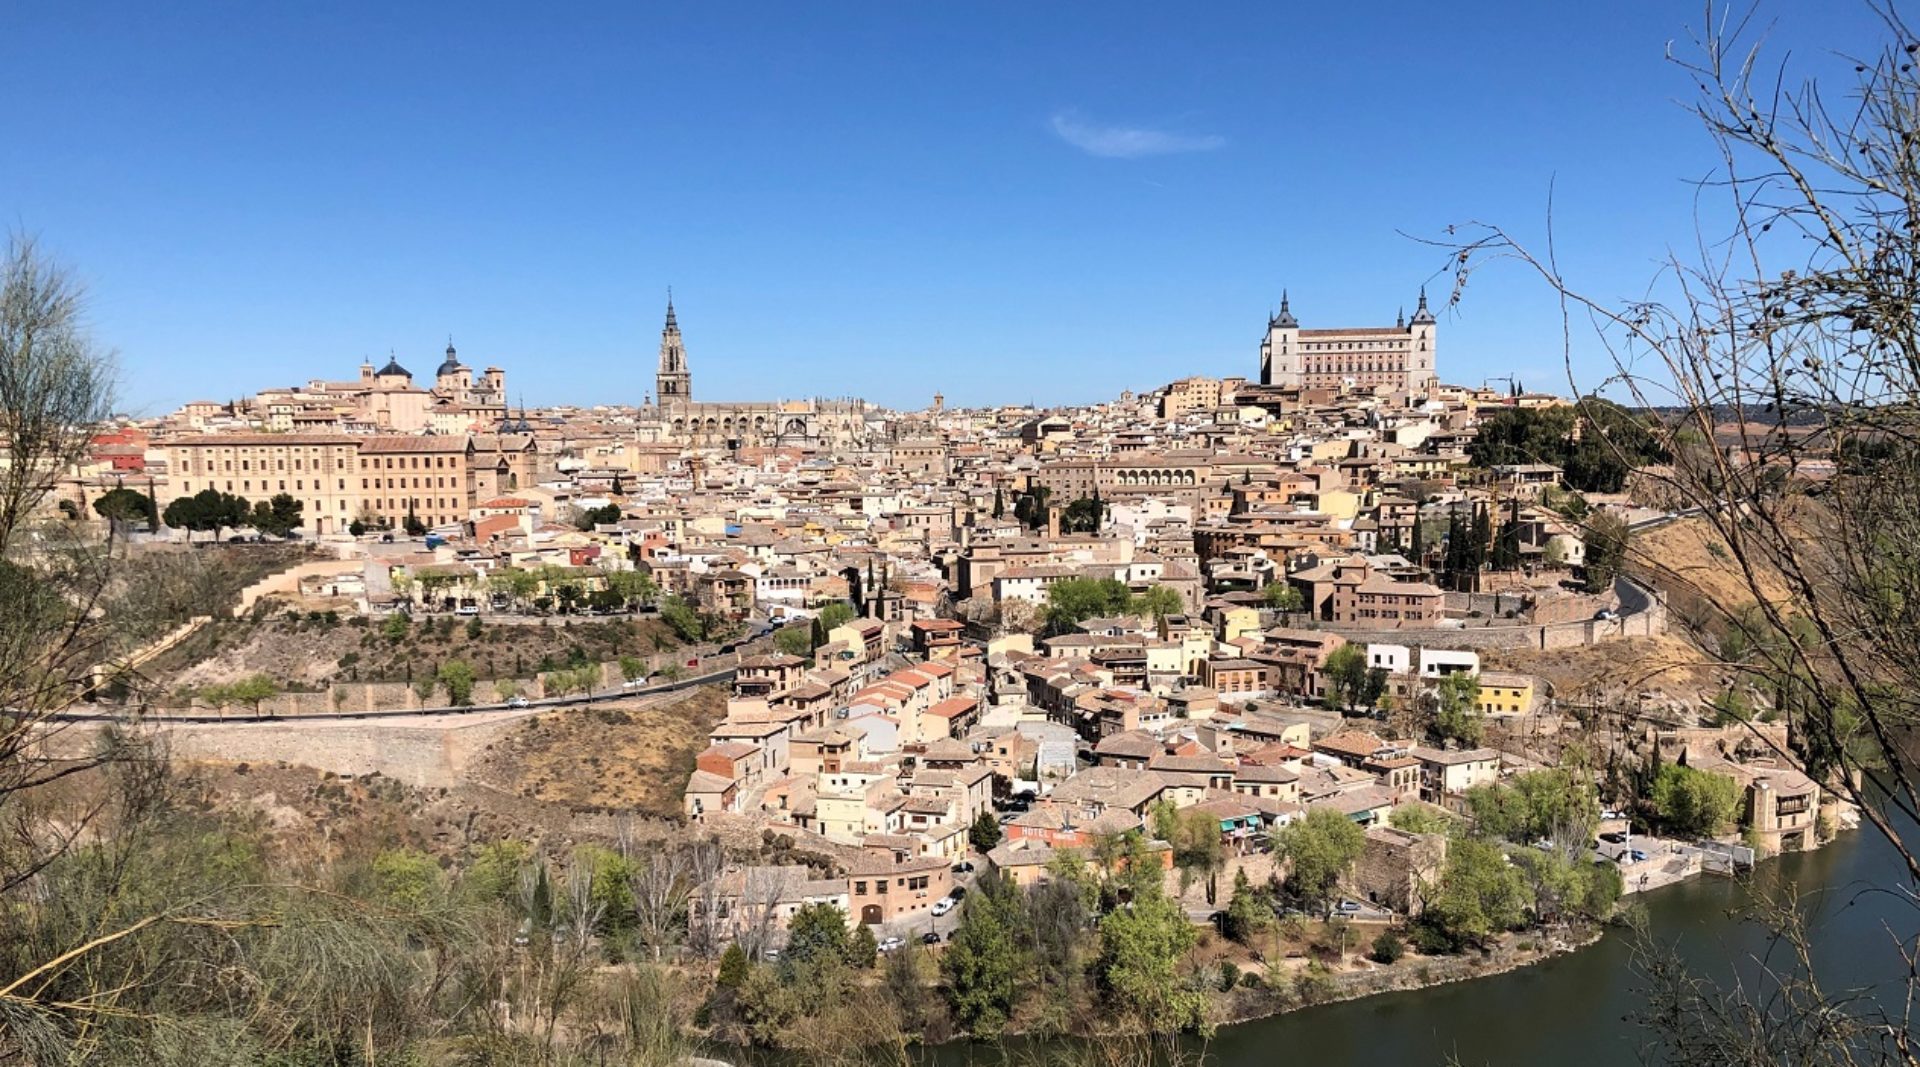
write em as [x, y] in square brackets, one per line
[1572, 1011]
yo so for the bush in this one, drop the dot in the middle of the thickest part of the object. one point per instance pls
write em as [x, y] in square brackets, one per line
[1229, 976]
[1432, 940]
[1388, 947]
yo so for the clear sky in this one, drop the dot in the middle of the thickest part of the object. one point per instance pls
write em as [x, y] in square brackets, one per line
[1002, 201]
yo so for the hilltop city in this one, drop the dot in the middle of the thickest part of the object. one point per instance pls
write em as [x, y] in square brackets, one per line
[963, 640]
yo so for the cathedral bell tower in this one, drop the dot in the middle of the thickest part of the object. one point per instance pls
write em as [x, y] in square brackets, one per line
[674, 384]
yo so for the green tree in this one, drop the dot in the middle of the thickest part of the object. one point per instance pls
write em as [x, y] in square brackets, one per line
[1420, 819]
[863, 950]
[1141, 948]
[1072, 600]
[278, 516]
[1388, 947]
[1694, 803]
[120, 505]
[1606, 536]
[412, 524]
[1082, 516]
[1479, 895]
[733, 967]
[1159, 602]
[1195, 838]
[605, 515]
[1506, 545]
[635, 587]
[253, 690]
[494, 875]
[207, 510]
[1319, 850]
[1457, 716]
[983, 962]
[1345, 674]
[816, 933]
[513, 583]
[1248, 912]
[687, 622]
[457, 676]
[1030, 507]
[1282, 595]
[1554, 804]
[984, 834]
[794, 641]
[632, 668]
[835, 615]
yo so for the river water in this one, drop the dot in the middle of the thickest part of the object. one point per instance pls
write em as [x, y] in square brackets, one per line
[1572, 1011]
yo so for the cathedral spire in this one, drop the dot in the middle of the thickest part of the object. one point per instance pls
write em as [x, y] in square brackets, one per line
[673, 385]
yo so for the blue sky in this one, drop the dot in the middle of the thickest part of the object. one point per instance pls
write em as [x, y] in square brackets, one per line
[1005, 202]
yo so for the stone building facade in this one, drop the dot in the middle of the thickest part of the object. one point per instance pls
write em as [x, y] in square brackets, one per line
[1399, 359]
[341, 478]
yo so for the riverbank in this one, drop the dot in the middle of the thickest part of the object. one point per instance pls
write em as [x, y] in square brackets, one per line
[1413, 972]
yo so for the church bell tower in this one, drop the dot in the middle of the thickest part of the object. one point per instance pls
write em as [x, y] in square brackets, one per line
[674, 384]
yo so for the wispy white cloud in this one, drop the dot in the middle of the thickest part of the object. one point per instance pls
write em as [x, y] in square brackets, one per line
[1127, 142]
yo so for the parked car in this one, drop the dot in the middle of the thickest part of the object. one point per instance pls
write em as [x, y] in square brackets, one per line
[467, 609]
[1637, 856]
[929, 938]
[633, 683]
[892, 944]
[957, 892]
[1614, 837]
[943, 905]
[963, 867]
[1348, 907]
[517, 702]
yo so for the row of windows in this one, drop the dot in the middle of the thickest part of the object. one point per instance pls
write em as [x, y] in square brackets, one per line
[341, 462]
[1348, 346]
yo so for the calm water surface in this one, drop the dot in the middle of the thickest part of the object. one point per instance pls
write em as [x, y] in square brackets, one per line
[1571, 1011]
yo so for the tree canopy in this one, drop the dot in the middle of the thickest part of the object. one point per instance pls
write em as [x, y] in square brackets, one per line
[1319, 849]
[1612, 442]
[208, 509]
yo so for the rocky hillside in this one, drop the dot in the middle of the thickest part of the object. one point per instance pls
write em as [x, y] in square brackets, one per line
[606, 757]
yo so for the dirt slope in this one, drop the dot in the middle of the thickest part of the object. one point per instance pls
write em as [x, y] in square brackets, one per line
[606, 757]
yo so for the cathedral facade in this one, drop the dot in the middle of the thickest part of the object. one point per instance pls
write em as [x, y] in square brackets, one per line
[741, 424]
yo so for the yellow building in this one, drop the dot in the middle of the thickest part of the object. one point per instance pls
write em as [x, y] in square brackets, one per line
[1502, 693]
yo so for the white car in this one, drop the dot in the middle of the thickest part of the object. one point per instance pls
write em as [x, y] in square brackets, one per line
[517, 702]
[891, 944]
[943, 905]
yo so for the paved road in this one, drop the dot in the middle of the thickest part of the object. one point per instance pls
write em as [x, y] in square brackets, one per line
[441, 714]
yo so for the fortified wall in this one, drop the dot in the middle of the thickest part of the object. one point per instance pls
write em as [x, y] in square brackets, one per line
[1641, 613]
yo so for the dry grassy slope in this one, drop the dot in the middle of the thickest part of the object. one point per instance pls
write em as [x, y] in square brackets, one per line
[1689, 562]
[606, 757]
[1669, 663]
[1694, 554]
